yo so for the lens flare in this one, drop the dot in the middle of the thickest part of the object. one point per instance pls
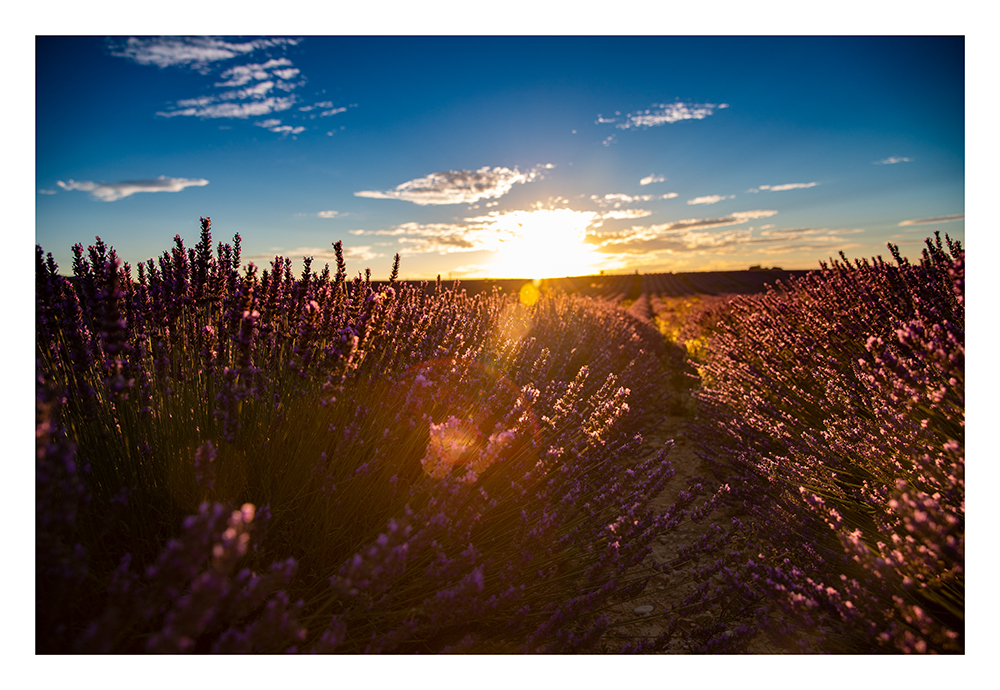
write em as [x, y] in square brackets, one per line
[485, 418]
[449, 441]
[530, 293]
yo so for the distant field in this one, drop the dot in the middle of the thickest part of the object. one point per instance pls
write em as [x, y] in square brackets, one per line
[630, 286]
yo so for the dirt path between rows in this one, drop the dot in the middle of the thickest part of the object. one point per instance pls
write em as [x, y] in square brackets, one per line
[664, 589]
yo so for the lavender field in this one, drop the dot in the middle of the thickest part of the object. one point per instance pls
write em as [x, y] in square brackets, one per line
[235, 459]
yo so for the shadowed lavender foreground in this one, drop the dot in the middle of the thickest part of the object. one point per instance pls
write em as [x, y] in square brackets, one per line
[232, 462]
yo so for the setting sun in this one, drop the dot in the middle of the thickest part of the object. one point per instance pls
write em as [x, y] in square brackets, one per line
[544, 243]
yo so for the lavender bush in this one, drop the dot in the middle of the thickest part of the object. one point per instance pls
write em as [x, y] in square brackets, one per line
[835, 411]
[232, 461]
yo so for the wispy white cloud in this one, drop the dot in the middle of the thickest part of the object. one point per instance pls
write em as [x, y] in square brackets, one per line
[327, 109]
[654, 244]
[255, 102]
[650, 179]
[626, 213]
[798, 233]
[242, 90]
[713, 199]
[47, 191]
[256, 91]
[241, 111]
[444, 238]
[662, 114]
[933, 220]
[243, 74]
[195, 52]
[321, 104]
[360, 253]
[329, 214]
[617, 200]
[112, 191]
[320, 255]
[459, 186]
[657, 239]
[274, 125]
[830, 245]
[681, 235]
[891, 160]
[488, 232]
[786, 187]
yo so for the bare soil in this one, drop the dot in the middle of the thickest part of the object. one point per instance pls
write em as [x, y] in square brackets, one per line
[666, 588]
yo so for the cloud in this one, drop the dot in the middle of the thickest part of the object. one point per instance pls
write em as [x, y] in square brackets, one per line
[112, 191]
[677, 235]
[445, 238]
[48, 191]
[458, 186]
[626, 213]
[328, 214]
[256, 102]
[275, 125]
[834, 245]
[892, 160]
[786, 187]
[654, 242]
[242, 74]
[664, 246]
[249, 88]
[489, 232]
[798, 233]
[616, 200]
[651, 179]
[234, 110]
[656, 239]
[320, 255]
[663, 113]
[714, 199]
[934, 219]
[195, 52]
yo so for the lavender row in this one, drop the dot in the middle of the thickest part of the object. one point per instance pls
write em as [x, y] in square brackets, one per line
[232, 461]
[835, 410]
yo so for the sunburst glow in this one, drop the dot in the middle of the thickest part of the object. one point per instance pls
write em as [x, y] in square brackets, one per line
[544, 243]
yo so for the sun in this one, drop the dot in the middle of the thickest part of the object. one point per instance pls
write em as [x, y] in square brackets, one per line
[544, 243]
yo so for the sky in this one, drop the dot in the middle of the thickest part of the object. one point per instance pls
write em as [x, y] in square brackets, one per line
[504, 157]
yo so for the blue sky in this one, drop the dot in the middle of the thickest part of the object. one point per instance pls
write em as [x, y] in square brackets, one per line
[486, 156]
